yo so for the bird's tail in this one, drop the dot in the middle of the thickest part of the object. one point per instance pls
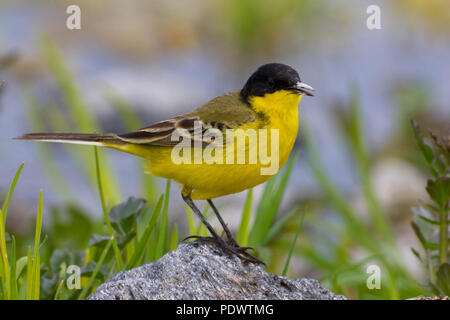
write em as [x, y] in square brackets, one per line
[76, 138]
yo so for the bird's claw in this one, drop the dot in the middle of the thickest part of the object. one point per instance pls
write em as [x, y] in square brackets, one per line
[230, 248]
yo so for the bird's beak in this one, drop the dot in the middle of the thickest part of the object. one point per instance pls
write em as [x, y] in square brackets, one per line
[302, 88]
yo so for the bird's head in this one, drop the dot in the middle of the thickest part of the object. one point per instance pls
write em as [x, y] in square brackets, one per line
[274, 77]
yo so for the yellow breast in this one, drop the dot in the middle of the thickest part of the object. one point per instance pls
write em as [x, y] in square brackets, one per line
[281, 109]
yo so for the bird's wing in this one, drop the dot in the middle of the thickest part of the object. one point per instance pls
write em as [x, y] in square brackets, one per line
[221, 113]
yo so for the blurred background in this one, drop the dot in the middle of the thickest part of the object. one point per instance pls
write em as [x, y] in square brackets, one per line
[137, 62]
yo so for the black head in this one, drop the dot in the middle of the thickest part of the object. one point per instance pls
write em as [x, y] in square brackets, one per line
[273, 77]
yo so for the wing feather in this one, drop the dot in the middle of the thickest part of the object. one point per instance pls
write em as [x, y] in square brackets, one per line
[224, 112]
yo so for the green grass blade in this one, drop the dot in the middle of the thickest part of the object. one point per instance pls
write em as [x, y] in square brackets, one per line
[190, 220]
[291, 250]
[444, 238]
[4, 266]
[59, 290]
[37, 278]
[4, 275]
[244, 227]
[91, 280]
[2, 282]
[13, 283]
[394, 293]
[201, 228]
[279, 225]
[36, 258]
[105, 213]
[174, 238]
[29, 295]
[21, 264]
[149, 188]
[269, 204]
[163, 234]
[10, 192]
[100, 188]
[143, 241]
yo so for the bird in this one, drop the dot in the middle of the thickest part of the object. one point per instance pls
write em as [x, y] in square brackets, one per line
[268, 101]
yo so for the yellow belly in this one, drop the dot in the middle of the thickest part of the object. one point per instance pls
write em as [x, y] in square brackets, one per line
[207, 181]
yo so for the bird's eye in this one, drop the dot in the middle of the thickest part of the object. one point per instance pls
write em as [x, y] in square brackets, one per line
[270, 83]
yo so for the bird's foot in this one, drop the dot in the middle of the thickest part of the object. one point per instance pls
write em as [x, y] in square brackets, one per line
[230, 247]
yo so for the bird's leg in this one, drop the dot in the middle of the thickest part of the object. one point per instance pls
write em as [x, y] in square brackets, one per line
[233, 242]
[230, 249]
[194, 208]
[224, 226]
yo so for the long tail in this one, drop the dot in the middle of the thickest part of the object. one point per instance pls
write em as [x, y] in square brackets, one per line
[76, 138]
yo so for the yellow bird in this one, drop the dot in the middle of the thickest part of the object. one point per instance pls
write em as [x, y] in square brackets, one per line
[201, 149]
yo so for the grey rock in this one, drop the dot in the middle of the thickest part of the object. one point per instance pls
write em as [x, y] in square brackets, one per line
[199, 270]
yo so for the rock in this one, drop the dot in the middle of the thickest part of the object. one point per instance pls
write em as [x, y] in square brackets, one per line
[430, 298]
[198, 270]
